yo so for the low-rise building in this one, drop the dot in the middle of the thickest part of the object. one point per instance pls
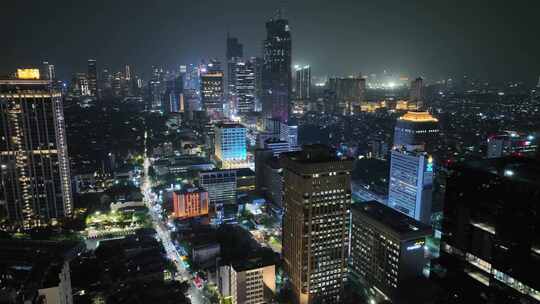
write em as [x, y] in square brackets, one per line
[250, 281]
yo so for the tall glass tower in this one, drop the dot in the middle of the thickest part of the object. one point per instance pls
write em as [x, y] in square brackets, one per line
[34, 164]
[276, 73]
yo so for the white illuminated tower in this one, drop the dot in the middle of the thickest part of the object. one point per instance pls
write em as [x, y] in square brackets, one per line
[35, 179]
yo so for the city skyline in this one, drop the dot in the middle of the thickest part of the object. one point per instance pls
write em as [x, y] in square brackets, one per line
[432, 40]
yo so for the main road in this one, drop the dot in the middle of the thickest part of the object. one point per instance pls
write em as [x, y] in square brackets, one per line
[163, 233]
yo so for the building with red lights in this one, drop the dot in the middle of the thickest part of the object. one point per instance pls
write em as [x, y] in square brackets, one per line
[190, 202]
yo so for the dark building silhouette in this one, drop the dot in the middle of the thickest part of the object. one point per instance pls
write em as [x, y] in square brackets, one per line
[276, 73]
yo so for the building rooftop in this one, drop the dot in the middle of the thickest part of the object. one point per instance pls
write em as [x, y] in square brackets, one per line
[251, 263]
[229, 125]
[404, 226]
[416, 116]
[312, 154]
[520, 169]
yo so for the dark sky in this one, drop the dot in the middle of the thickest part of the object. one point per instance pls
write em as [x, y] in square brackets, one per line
[497, 40]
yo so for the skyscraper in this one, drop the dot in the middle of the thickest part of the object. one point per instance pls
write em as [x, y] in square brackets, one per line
[234, 54]
[212, 89]
[47, 71]
[276, 73]
[417, 92]
[245, 86]
[303, 82]
[92, 77]
[411, 183]
[35, 178]
[317, 199]
[490, 243]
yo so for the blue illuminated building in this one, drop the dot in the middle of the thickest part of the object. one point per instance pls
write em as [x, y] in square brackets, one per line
[411, 183]
[230, 144]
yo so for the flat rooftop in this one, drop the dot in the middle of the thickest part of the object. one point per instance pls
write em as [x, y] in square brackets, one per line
[521, 169]
[251, 263]
[401, 224]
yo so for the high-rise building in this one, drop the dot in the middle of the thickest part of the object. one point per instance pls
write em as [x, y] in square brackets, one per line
[411, 183]
[511, 143]
[490, 246]
[244, 74]
[387, 249]
[80, 85]
[417, 92]
[418, 129]
[230, 145]
[92, 77]
[317, 199]
[234, 54]
[47, 71]
[212, 89]
[276, 73]
[174, 96]
[247, 281]
[190, 202]
[35, 178]
[303, 82]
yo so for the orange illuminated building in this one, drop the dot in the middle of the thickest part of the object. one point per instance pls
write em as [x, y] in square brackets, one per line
[190, 202]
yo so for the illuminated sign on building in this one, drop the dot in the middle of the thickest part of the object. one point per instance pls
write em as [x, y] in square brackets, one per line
[28, 73]
[429, 167]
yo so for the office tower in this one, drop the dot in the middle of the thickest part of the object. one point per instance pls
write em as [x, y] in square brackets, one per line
[245, 86]
[212, 89]
[190, 202]
[106, 80]
[418, 129]
[387, 249]
[417, 92]
[490, 227]
[174, 96]
[80, 85]
[276, 73]
[411, 183]
[234, 54]
[156, 88]
[511, 143]
[230, 145]
[269, 175]
[221, 187]
[47, 71]
[258, 64]
[116, 84]
[303, 82]
[35, 178]
[247, 281]
[317, 199]
[92, 77]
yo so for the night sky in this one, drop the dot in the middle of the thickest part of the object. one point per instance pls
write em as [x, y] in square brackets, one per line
[496, 40]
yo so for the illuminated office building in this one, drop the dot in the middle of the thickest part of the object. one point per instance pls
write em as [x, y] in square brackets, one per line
[230, 145]
[212, 89]
[303, 82]
[248, 281]
[387, 248]
[245, 86]
[190, 202]
[221, 186]
[47, 71]
[411, 183]
[418, 129]
[317, 199]
[490, 244]
[35, 179]
[276, 72]
[92, 77]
